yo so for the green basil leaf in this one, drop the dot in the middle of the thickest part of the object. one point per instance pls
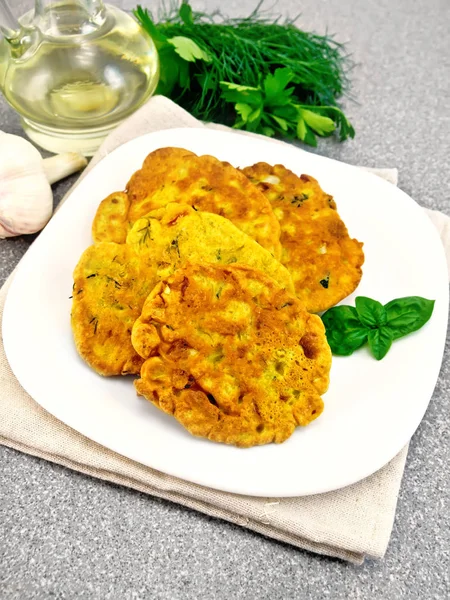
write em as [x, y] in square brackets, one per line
[338, 316]
[405, 315]
[380, 340]
[345, 333]
[370, 312]
[345, 342]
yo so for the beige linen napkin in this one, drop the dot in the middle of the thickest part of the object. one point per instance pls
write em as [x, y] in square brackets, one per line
[350, 523]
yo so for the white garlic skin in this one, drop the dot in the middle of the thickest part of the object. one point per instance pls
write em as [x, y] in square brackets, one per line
[26, 199]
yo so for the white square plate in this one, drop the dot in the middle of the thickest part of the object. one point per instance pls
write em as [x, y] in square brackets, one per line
[371, 409]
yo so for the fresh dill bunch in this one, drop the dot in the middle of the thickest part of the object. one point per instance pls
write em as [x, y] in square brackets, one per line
[236, 71]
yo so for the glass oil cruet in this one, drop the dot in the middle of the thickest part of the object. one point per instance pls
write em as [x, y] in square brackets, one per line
[73, 70]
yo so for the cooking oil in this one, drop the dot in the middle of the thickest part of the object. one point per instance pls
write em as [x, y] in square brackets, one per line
[74, 76]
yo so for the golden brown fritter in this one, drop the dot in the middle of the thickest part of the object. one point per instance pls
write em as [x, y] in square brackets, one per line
[111, 219]
[160, 162]
[170, 236]
[177, 175]
[110, 287]
[231, 355]
[325, 263]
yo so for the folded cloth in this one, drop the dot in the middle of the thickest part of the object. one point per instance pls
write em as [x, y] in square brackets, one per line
[350, 523]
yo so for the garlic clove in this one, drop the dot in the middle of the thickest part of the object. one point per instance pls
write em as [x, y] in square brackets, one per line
[62, 165]
[26, 199]
[26, 204]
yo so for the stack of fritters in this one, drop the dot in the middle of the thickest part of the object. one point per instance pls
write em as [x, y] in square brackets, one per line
[202, 279]
[112, 281]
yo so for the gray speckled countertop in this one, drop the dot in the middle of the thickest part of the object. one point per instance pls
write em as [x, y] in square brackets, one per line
[64, 535]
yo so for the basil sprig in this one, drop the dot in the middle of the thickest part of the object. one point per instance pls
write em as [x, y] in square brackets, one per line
[349, 328]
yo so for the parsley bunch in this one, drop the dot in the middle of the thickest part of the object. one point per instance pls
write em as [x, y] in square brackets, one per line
[255, 73]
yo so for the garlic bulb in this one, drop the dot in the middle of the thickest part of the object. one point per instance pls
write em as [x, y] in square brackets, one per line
[26, 199]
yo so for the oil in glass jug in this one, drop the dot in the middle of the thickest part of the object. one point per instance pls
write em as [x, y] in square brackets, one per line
[73, 70]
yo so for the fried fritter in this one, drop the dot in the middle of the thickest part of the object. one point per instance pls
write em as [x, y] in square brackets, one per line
[325, 263]
[108, 225]
[231, 355]
[177, 175]
[170, 236]
[110, 287]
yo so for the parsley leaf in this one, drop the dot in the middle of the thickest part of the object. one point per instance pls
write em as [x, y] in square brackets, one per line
[243, 110]
[274, 86]
[232, 92]
[320, 124]
[186, 14]
[188, 49]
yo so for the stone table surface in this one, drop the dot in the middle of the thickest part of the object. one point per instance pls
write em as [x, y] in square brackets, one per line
[64, 535]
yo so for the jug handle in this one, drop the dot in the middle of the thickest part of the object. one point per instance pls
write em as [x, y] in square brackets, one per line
[9, 25]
